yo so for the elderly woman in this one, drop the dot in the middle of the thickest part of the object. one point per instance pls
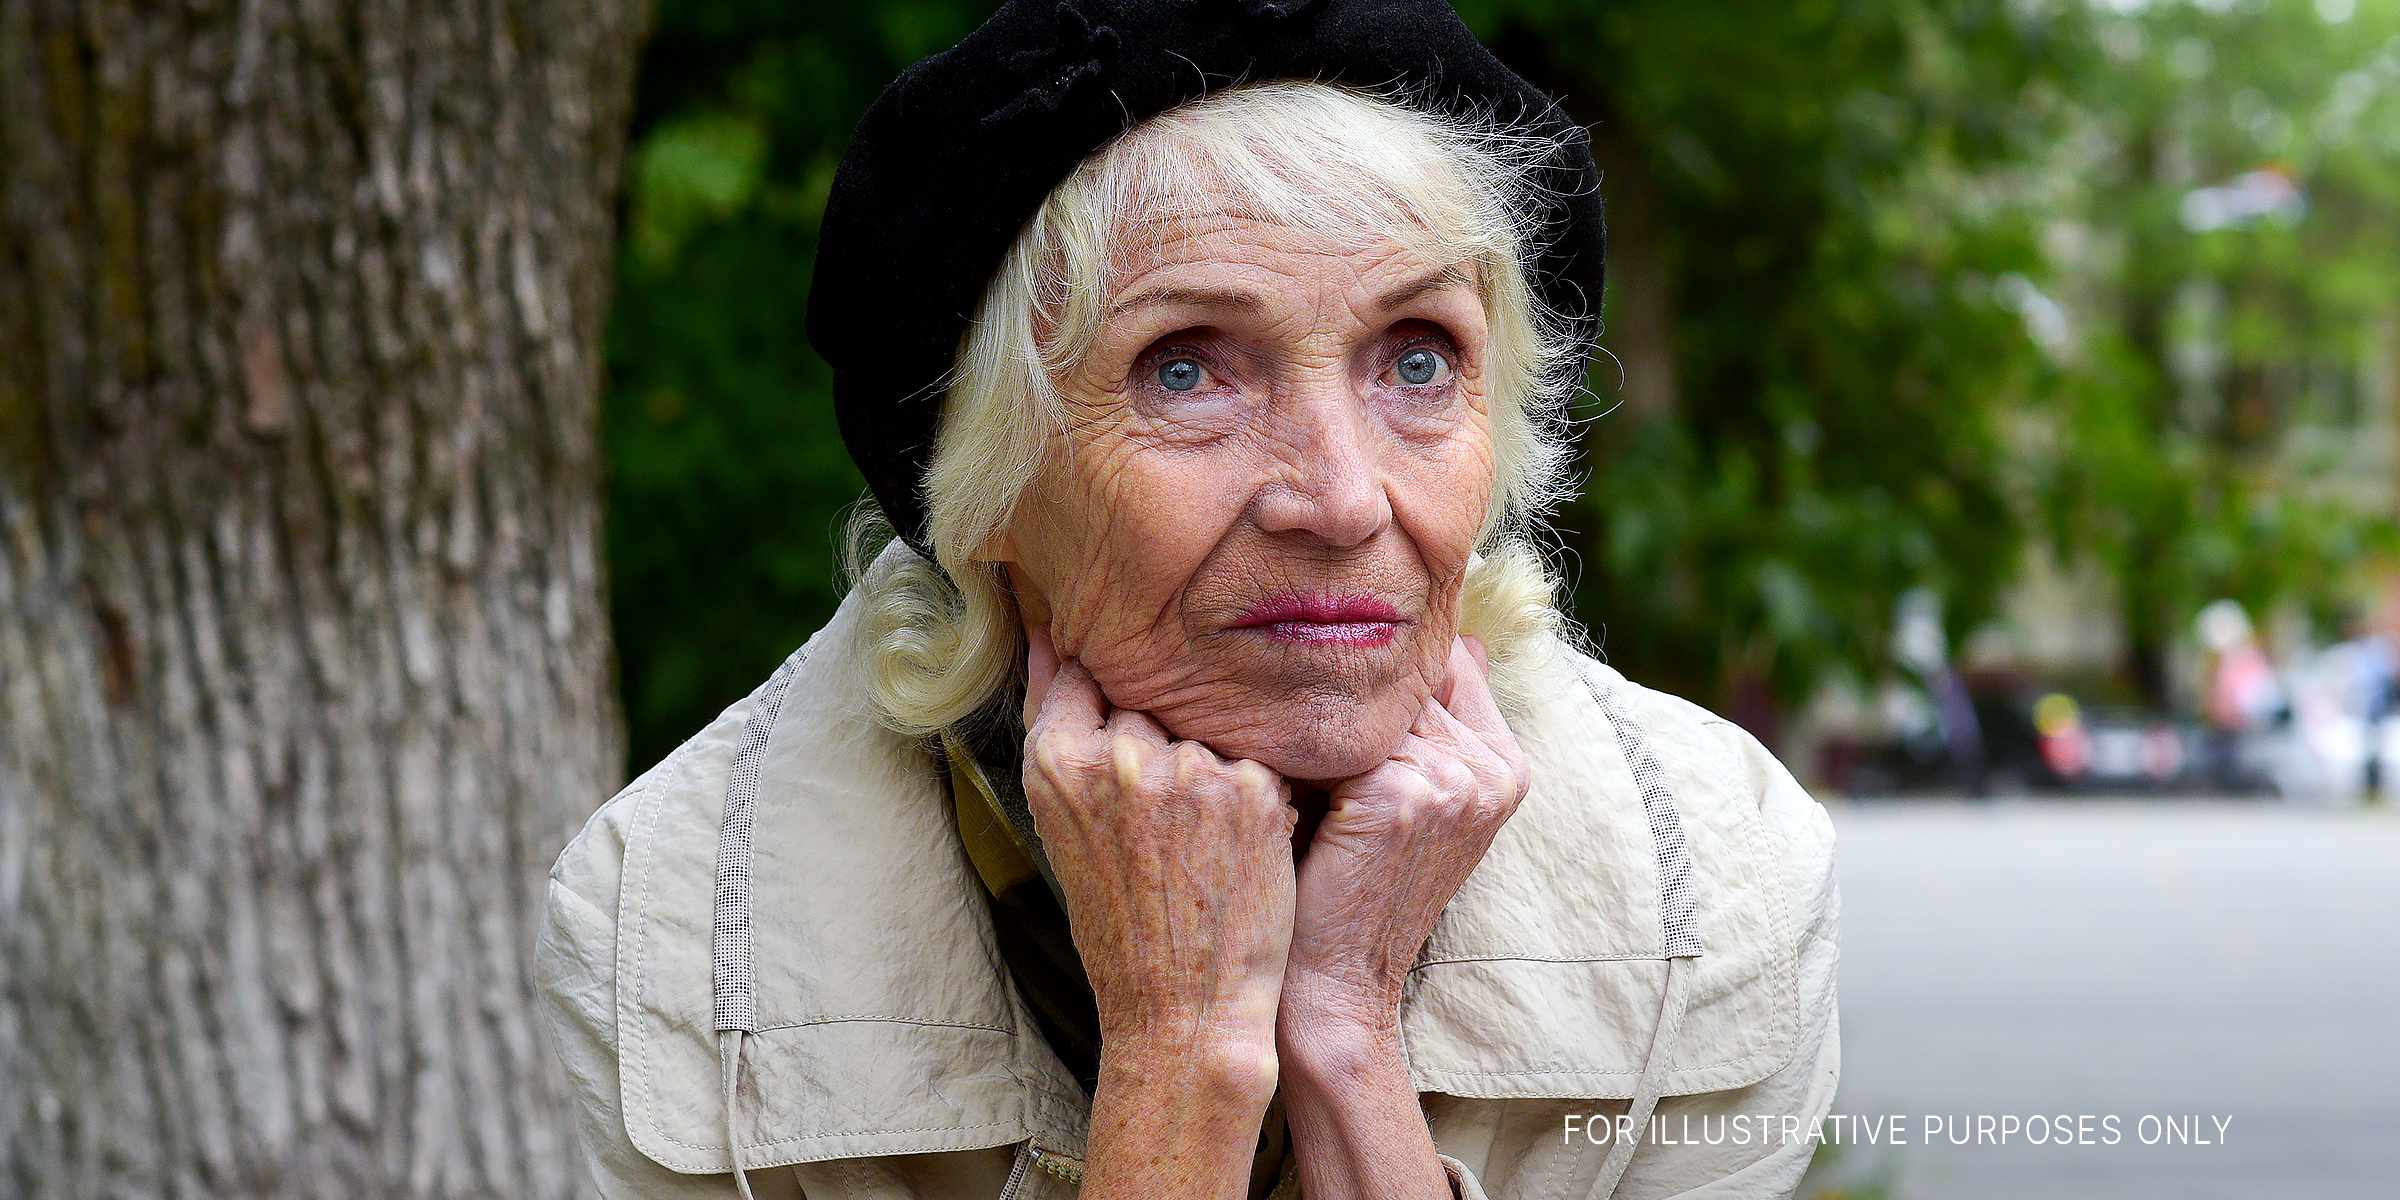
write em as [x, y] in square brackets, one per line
[1202, 797]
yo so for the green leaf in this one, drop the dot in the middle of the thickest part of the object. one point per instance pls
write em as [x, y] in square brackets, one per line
[689, 173]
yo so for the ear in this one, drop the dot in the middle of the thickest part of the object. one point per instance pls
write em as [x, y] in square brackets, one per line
[1001, 547]
[1033, 605]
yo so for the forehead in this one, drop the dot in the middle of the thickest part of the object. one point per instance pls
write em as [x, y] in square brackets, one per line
[1167, 251]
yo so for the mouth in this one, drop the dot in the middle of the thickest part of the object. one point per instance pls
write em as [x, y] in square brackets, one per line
[1336, 620]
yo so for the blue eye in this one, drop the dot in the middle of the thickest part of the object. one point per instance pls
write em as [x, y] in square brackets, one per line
[1419, 366]
[1181, 375]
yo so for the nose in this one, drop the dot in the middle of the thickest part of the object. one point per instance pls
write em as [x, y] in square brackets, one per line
[1332, 486]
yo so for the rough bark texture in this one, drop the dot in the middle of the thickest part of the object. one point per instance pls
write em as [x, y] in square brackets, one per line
[304, 668]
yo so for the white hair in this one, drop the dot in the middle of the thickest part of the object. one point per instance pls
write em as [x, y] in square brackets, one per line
[1330, 160]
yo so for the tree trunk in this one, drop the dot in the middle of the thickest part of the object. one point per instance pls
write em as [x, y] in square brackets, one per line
[1637, 370]
[303, 654]
[1640, 334]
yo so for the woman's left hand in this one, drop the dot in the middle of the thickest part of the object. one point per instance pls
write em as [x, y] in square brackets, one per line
[1393, 848]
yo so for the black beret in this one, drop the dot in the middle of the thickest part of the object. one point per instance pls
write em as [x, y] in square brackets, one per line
[953, 159]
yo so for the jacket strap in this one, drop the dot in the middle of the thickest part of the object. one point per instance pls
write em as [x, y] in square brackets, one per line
[1677, 902]
[735, 970]
[1678, 915]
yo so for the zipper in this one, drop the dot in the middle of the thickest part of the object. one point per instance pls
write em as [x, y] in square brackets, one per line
[1016, 1171]
[1066, 1167]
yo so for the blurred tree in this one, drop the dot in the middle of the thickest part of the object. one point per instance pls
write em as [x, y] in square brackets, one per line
[2224, 246]
[1946, 275]
[1805, 423]
[303, 652]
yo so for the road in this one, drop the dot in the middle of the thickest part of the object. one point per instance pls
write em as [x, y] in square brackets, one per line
[2235, 962]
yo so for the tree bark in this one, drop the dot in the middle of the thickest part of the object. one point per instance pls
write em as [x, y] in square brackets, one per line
[1638, 367]
[1640, 334]
[303, 651]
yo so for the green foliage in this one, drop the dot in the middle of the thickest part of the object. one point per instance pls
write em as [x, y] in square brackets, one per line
[2216, 434]
[1935, 293]
[692, 172]
[1834, 1173]
[730, 485]
[1823, 170]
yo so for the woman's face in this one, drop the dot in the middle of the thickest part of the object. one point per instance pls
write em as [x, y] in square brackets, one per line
[1275, 464]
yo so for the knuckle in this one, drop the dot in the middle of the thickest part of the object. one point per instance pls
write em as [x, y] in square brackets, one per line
[1497, 806]
[1048, 747]
[1505, 805]
[1192, 763]
[1127, 757]
[1258, 787]
[1454, 777]
[1054, 756]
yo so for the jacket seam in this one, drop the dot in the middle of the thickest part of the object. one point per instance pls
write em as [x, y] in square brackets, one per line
[1572, 1071]
[640, 953]
[858, 1133]
[1720, 1064]
[886, 1018]
[798, 1138]
[1561, 959]
[1768, 850]
[1015, 1129]
[1589, 698]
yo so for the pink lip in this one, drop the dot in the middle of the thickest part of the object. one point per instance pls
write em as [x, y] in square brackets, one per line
[1344, 620]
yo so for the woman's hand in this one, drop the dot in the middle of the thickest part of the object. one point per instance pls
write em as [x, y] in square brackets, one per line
[1395, 845]
[1177, 869]
[1393, 848]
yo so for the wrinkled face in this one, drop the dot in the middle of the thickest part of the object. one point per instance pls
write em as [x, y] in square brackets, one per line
[1277, 460]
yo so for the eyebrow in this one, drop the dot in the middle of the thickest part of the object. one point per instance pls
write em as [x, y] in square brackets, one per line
[1238, 300]
[1432, 281]
[1229, 299]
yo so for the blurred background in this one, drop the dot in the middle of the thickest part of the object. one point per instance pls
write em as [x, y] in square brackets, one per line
[2001, 417]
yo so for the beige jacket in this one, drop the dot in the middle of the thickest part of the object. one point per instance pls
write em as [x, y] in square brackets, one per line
[890, 1056]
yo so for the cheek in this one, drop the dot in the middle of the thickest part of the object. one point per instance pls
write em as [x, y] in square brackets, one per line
[1439, 493]
[1120, 529]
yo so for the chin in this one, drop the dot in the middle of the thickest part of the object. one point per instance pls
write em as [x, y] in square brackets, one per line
[1318, 742]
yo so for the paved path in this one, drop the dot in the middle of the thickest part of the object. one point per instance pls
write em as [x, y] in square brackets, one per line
[2235, 961]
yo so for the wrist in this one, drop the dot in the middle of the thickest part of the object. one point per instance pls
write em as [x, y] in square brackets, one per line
[1175, 1116]
[1337, 1006]
[1237, 1069]
[1337, 1054]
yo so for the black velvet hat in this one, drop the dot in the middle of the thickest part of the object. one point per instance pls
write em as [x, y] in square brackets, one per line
[953, 159]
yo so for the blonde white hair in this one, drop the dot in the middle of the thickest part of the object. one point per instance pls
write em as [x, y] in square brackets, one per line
[1334, 161]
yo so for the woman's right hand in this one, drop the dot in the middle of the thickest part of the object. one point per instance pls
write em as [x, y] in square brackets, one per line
[1177, 869]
